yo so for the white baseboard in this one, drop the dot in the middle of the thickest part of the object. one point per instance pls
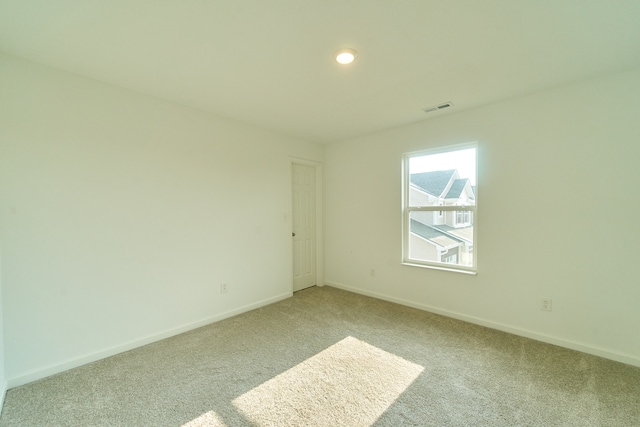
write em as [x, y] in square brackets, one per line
[83, 360]
[3, 393]
[601, 352]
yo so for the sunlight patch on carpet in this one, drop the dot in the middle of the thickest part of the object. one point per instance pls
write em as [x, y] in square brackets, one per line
[208, 419]
[350, 383]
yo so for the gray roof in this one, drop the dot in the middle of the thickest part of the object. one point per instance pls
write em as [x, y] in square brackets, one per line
[456, 188]
[462, 233]
[433, 235]
[432, 182]
[425, 231]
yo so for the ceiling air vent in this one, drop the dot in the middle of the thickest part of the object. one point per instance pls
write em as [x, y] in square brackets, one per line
[438, 107]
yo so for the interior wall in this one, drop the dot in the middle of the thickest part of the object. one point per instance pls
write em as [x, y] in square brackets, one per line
[557, 204]
[123, 214]
[3, 381]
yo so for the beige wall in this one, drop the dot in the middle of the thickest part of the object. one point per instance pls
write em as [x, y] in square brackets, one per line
[122, 214]
[3, 382]
[543, 159]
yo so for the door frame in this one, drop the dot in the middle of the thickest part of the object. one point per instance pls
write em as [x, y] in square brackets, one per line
[319, 217]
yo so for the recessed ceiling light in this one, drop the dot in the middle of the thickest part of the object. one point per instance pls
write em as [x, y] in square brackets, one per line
[346, 56]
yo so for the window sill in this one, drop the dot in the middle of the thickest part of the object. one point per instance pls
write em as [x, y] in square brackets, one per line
[442, 268]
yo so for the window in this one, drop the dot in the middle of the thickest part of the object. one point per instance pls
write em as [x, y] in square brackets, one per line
[439, 208]
[453, 259]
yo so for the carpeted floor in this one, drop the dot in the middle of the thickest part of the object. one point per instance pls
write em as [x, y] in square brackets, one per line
[327, 357]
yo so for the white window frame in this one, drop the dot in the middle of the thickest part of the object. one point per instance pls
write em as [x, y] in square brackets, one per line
[406, 211]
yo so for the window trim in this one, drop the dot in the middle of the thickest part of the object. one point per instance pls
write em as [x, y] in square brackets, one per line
[406, 211]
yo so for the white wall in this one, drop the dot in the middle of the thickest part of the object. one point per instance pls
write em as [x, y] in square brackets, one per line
[558, 216]
[122, 215]
[3, 382]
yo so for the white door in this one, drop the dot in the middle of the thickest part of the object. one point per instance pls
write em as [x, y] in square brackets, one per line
[304, 226]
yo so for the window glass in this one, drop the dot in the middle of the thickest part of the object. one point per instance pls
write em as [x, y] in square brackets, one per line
[440, 202]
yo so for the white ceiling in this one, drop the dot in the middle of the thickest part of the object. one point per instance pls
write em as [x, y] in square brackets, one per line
[270, 62]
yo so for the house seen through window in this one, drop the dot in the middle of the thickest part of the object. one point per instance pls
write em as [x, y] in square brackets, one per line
[439, 204]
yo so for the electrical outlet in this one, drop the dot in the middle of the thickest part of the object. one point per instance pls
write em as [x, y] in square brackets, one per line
[545, 304]
[223, 288]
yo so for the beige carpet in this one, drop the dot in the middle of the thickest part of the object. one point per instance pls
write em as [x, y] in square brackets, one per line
[331, 358]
